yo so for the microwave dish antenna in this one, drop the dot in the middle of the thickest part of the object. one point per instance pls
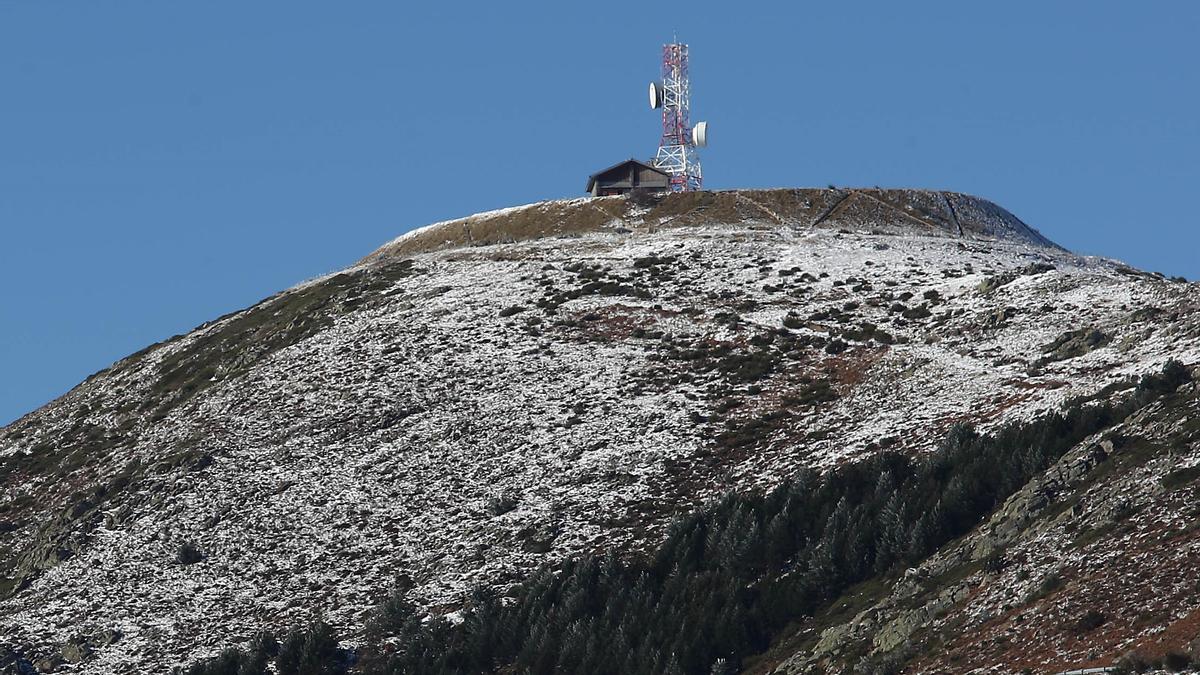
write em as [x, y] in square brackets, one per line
[656, 96]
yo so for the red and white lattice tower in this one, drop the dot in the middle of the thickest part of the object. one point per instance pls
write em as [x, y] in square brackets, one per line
[677, 153]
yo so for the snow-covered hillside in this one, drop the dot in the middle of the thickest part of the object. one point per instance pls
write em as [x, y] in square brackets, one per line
[484, 396]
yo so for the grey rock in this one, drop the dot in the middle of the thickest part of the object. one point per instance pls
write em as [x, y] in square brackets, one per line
[77, 651]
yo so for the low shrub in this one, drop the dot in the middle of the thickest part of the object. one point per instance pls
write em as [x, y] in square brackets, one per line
[1090, 621]
[1050, 583]
[1176, 661]
[188, 554]
[1181, 477]
[995, 562]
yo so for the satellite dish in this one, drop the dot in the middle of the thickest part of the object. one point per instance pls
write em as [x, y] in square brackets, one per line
[700, 134]
[656, 95]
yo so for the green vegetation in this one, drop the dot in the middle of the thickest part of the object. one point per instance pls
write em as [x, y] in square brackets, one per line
[811, 392]
[732, 575]
[312, 650]
[1181, 477]
[188, 554]
[1090, 621]
[276, 323]
[594, 280]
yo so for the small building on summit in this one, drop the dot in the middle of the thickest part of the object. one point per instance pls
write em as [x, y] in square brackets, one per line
[627, 176]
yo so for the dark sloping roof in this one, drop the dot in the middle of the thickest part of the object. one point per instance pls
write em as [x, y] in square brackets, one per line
[592, 178]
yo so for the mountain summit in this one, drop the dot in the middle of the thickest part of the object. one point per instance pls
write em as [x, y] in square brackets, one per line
[754, 431]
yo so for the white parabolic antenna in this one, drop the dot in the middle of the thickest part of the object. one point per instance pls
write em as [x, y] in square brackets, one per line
[656, 95]
[700, 134]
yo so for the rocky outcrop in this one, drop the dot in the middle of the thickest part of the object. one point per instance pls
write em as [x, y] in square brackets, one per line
[1010, 566]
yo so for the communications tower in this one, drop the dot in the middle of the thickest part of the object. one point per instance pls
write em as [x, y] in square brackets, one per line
[677, 154]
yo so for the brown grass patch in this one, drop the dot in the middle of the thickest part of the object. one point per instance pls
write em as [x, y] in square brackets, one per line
[535, 221]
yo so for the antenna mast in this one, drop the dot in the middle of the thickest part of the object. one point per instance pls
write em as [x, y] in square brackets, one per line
[677, 154]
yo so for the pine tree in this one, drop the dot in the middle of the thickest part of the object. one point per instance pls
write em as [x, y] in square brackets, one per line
[893, 536]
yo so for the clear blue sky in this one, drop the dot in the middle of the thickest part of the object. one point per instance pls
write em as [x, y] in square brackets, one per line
[164, 163]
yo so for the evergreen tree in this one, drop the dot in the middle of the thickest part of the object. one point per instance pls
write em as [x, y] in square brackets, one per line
[726, 578]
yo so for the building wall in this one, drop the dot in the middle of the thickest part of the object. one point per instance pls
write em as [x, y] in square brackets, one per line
[625, 178]
[648, 178]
